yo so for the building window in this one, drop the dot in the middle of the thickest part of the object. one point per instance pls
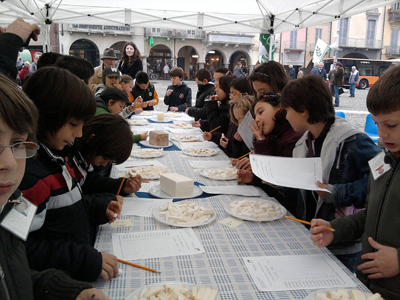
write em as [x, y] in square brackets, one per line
[293, 40]
[370, 33]
[343, 25]
[396, 6]
[318, 34]
[394, 41]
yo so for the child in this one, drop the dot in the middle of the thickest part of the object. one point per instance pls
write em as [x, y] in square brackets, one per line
[274, 136]
[113, 100]
[205, 89]
[237, 88]
[126, 87]
[63, 230]
[344, 153]
[111, 79]
[178, 95]
[378, 225]
[105, 139]
[144, 91]
[78, 66]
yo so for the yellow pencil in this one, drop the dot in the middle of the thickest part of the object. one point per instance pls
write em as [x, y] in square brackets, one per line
[137, 266]
[305, 222]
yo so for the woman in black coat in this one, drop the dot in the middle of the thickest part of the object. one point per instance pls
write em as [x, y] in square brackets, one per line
[131, 62]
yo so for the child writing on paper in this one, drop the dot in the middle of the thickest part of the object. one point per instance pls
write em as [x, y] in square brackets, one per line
[237, 88]
[63, 230]
[274, 136]
[344, 153]
[378, 225]
[106, 139]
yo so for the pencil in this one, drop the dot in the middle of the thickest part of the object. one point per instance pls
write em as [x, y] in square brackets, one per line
[138, 166]
[215, 129]
[145, 181]
[120, 186]
[244, 155]
[305, 222]
[137, 266]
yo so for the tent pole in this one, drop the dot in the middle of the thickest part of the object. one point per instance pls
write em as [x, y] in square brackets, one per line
[271, 36]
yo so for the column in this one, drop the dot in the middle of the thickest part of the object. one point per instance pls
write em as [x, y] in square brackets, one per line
[144, 61]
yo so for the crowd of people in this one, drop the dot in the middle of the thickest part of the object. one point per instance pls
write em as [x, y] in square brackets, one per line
[61, 164]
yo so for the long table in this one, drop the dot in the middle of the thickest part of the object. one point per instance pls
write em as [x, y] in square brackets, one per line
[221, 267]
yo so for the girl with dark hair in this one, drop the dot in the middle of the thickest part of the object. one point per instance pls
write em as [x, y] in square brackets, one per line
[131, 62]
[63, 230]
[274, 136]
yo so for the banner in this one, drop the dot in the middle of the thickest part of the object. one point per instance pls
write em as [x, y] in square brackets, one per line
[321, 49]
[263, 49]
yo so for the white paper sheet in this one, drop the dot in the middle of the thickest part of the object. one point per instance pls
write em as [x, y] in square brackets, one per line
[201, 164]
[300, 173]
[245, 131]
[122, 168]
[142, 207]
[154, 244]
[296, 272]
[146, 186]
[242, 190]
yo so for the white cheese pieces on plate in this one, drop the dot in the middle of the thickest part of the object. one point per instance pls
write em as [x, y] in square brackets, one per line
[148, 172]
[181, 125]
[138, 122]
[172, 114]
[146, 113]
[184, 214]
[147, 153]
[199, 151]
[255, 210]
[342, 294]
[220, 173]
[186, 138]
[174, 291]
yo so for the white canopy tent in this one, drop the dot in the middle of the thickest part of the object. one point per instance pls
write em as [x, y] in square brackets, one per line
[250, 16]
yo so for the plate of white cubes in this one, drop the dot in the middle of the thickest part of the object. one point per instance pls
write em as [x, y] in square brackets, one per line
[148, 153]
[220, 173]
[184, 214]
[174, 291]
[199, 152]
[343, 294]
[255, 210]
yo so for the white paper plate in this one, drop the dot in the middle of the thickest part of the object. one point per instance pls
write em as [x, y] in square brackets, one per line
[185, 151]
[156, 215]
[147, 144]
[141, 123]
[138, 155]
[155, 119]
[149, 177]
[193, 138]
[147, 113]
[172, 114]
[312, 295]
[156, 192]
[203, 172]
[283, 212]
[187, 285]
[179, 127]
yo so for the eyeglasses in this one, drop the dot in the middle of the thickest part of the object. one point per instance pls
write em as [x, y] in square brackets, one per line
[22, 150]
[234, 94]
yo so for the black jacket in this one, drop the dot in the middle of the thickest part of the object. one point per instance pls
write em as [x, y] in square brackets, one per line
[218, 115]
[203, 92]
[181, 96]
[20, 282]
[147, 94]
[132, 70]
[9, 45]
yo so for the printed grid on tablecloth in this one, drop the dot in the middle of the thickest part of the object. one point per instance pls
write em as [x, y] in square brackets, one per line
[221, 266]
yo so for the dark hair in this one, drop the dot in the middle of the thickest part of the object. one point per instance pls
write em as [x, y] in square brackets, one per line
[136, 55]
[176, 71]
[383, 95]
[224, 71]
[271, 73]
[108, 135]
[16, 109]
[274, 99]
[309, 93]
[59, 96]
[224, 84]
[242, 85]
[203, 74]
[48, 59]
[142, 77]
[78, 66]
[126, 79]
[245, 103]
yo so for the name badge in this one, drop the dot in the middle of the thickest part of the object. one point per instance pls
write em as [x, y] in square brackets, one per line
[19, 219]
[378, 166]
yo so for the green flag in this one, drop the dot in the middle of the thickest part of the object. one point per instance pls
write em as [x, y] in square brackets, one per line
[263, 49]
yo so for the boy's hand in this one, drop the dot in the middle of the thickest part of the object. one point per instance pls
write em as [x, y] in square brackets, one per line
[92, 294]
[138, 100]
[120, 199]
[138, 111]
[114, 207]
[144, 104]
[257, 131]
[169, 92]
[322, 194]
[223, 141]
[144, 135]
[207, 136]
[196, 124]
[320, 236]
[244, 163]
[238, 137]
[173, 108]
[27, 64]
[383, 264]
[150, 103]
[213, 98]
[133, 184]
[110, 266]
[187, 109]
[245, 176]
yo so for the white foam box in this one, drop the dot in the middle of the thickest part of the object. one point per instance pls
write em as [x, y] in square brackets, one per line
[158, 138]
[176, 185]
